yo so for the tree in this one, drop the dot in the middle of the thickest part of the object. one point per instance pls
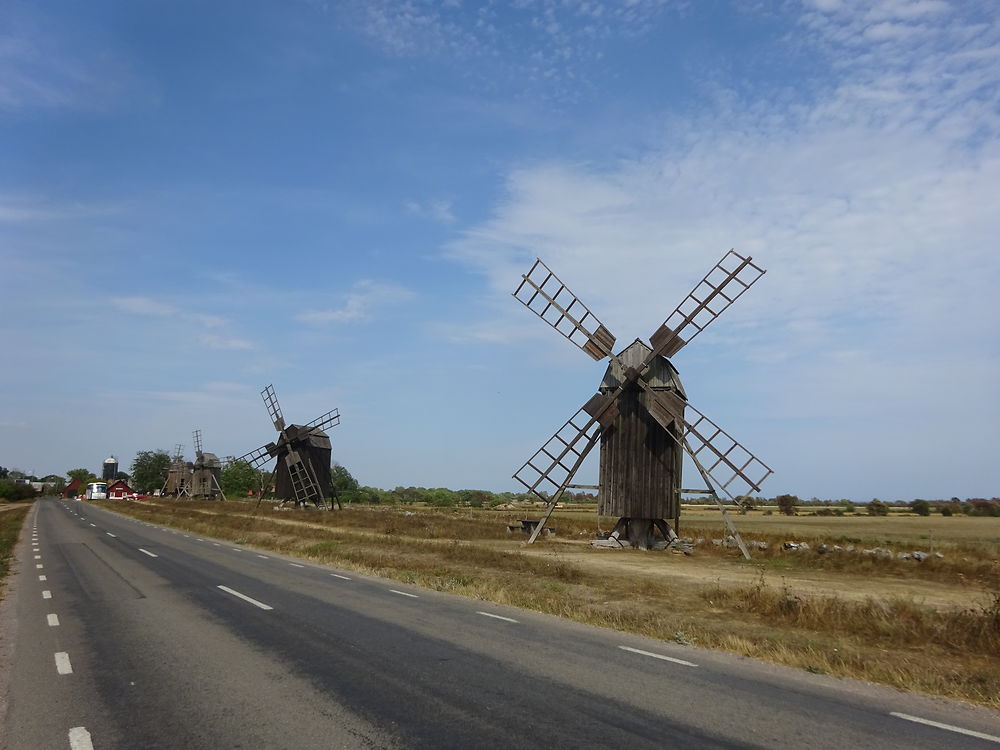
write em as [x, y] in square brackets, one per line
[82, 474]
[239, 478]
[921, 507]
[149, 470]
[786, 504]
[122, 476]
[877, 508]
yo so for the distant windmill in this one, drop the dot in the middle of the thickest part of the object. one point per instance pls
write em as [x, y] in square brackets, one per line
[302, 473]
[639, 414]
[205, 475]
[178, 481]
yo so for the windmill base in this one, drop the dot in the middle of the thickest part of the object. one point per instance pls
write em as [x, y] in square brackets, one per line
[643, 533]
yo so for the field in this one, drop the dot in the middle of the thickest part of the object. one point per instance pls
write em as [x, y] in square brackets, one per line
[931, 626]
[11, 519]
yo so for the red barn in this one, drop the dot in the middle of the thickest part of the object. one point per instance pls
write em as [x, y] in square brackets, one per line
[119, 490]
[73, 489]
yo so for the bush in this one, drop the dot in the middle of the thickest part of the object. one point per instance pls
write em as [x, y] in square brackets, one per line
[921, 507]
[946, 511]
[786, 504]
[877, 508]
[12, 491]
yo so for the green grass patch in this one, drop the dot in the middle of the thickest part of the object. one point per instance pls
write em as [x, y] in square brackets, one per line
[10, 526]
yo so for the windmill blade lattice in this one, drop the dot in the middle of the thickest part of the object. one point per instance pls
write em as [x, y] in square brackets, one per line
[330, 419]
[273, 409]
[304, 484]
[735, 469]
[258, 457]
[553, 465]
[197, 441]
[722, 286]
[544, 294]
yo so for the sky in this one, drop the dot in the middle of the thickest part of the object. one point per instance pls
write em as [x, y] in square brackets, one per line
[200, 199]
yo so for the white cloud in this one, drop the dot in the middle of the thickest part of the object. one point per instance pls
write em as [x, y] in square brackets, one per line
[435, 210]
[143, 306]
[215, 341]
[362, 303]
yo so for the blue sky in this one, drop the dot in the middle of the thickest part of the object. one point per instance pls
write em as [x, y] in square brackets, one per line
[199, 199]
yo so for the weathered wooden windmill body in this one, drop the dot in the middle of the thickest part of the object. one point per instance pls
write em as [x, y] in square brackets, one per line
[640, 415]
[178, 481]
[302, 474]
[205, 472]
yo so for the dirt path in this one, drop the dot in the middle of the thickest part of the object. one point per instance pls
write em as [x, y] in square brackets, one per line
[708, 570]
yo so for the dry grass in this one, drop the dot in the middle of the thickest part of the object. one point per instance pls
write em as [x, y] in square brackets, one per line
[10, 526]
[898, 642]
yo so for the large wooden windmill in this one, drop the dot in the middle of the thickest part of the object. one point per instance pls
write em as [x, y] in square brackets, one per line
[178, 481]
[206, 471]
[640, 415]
[302, 473]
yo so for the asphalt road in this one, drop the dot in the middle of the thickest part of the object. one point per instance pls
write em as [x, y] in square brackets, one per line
[119, 634]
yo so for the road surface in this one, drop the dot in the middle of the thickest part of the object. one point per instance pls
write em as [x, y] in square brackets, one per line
[120, 634]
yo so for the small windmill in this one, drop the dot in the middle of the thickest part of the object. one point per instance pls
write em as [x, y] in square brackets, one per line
[302, 473]
[205, 475]
[178, 474]
[640, 415]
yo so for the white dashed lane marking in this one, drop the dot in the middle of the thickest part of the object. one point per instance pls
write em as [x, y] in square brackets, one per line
[147, 552]
[343, 578]
[296, 565]
[42, 578]
[658, 656]
[948, 727]
[245, 598]
[53, 620]
[110, 534]
[79, 739]
[403, 593]
[46, 594]
[62, 663]
[497, 617]
[263, 557]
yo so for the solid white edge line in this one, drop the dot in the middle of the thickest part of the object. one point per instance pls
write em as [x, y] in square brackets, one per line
[62, 663]
[79, 739]
[53, 620]
[244, 597]
[343, 578]
[949, 727]
[497, 617]
[147, 552]
[657, 656]
[403, 593]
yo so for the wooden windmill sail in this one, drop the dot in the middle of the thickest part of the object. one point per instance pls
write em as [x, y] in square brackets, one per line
[302, 473]
[178, 480]
[641, 416]
[206, 471]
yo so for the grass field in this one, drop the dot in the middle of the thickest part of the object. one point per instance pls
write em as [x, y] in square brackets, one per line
[932, 627]
[11, 519]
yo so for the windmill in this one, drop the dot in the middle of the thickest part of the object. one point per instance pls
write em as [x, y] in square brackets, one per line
[302, 473]
[640, 415]
[178, 474]
[205, 475]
